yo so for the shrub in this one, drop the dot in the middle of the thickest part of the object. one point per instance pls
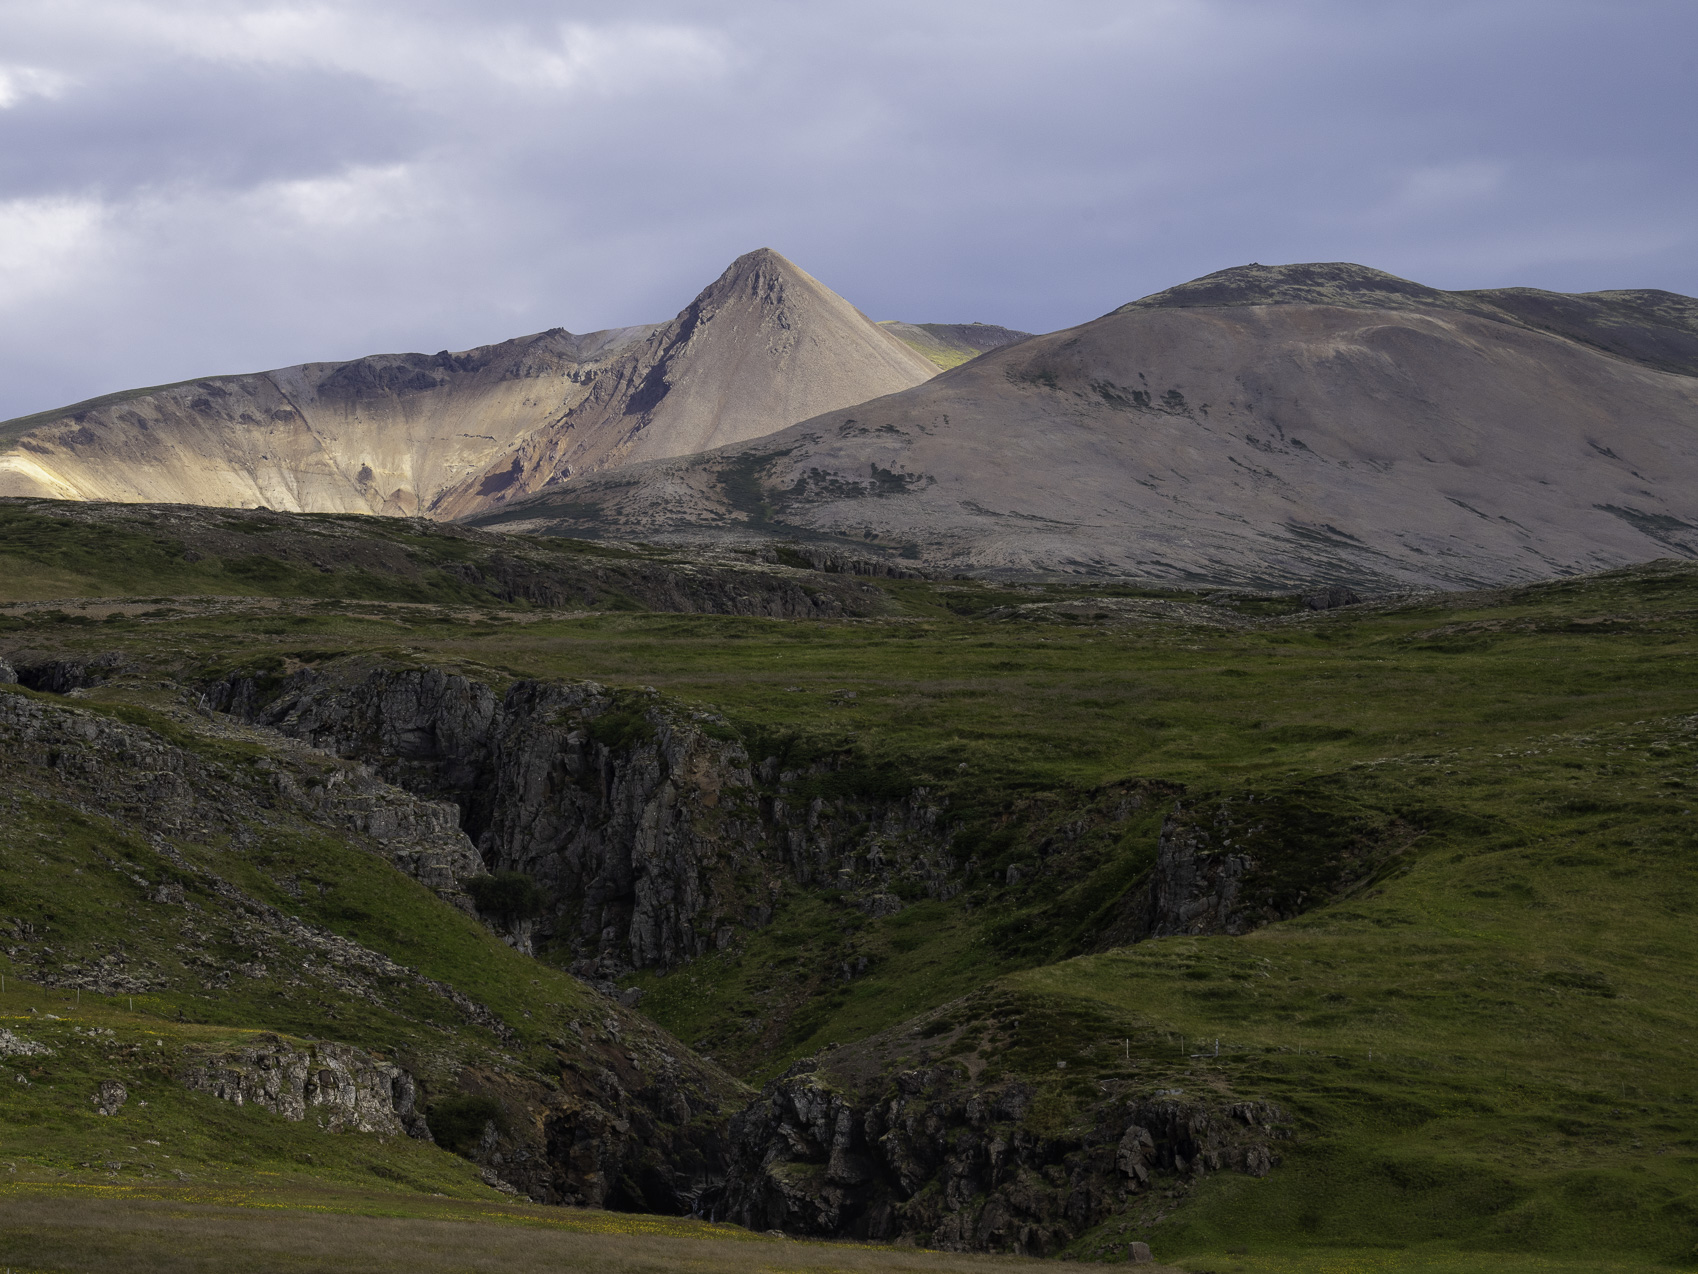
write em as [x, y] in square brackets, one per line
[509, 896]
[458, 1122]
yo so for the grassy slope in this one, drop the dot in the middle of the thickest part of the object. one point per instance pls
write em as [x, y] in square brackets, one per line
[928, 345]
[1519, 984]
[1491, 1051]
[44, 557]
[71, 872]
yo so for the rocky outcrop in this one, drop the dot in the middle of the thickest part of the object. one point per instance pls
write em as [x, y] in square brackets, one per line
[1331, 598]
[15, 1045]
[342, 1088]
[1230, 863]
[630, 1124]
[1198, 881]
[938, 1159]
[110, 1097]
[649, 825]
[61, 676]
[818, 558]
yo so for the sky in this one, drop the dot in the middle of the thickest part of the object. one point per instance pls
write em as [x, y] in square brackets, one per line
[195, 188]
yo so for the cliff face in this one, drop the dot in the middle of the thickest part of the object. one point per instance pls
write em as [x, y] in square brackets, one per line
[648, 825]
[930, 1155]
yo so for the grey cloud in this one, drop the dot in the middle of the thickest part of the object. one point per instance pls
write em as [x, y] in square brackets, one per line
[218, 126]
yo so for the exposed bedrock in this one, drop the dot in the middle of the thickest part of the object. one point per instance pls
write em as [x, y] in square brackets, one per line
[656, 837]
[341, 1087]
[929, 1155]
[621, 1115]
[653, 834]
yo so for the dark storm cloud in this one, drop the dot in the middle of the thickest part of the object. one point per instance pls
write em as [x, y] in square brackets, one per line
[186, 188]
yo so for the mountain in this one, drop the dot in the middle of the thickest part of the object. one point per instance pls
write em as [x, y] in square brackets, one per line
[1262, 425]
[375, 435]
[951, 344]
[765, 346]
[449, 433]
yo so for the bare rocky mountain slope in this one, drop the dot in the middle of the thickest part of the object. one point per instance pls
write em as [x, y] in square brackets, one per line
[765, 346]
[1261, 425]
[451, 433]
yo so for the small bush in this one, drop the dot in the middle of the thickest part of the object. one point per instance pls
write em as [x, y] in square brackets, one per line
[509, 896]
[458, 1122]
[621, 729]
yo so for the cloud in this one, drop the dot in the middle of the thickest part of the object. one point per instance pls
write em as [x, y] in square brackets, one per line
[407, 47]
[19, 83]
[47, 246]
[227, 185]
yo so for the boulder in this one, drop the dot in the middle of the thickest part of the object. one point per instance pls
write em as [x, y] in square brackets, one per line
[1330, 598]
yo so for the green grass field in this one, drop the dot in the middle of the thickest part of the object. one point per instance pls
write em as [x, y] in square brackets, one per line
[1487, 1051]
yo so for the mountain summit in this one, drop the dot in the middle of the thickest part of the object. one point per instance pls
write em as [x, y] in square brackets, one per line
[765, 345]
[452, 433]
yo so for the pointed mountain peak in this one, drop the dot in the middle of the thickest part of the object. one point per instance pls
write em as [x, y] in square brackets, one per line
[764, 274]
[761, 258]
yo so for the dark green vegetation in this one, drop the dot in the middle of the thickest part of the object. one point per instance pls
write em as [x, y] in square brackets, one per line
[1480, 1017]
[54, 549]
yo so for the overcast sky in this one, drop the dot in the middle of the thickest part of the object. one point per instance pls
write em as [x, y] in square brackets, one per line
[189, 188]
